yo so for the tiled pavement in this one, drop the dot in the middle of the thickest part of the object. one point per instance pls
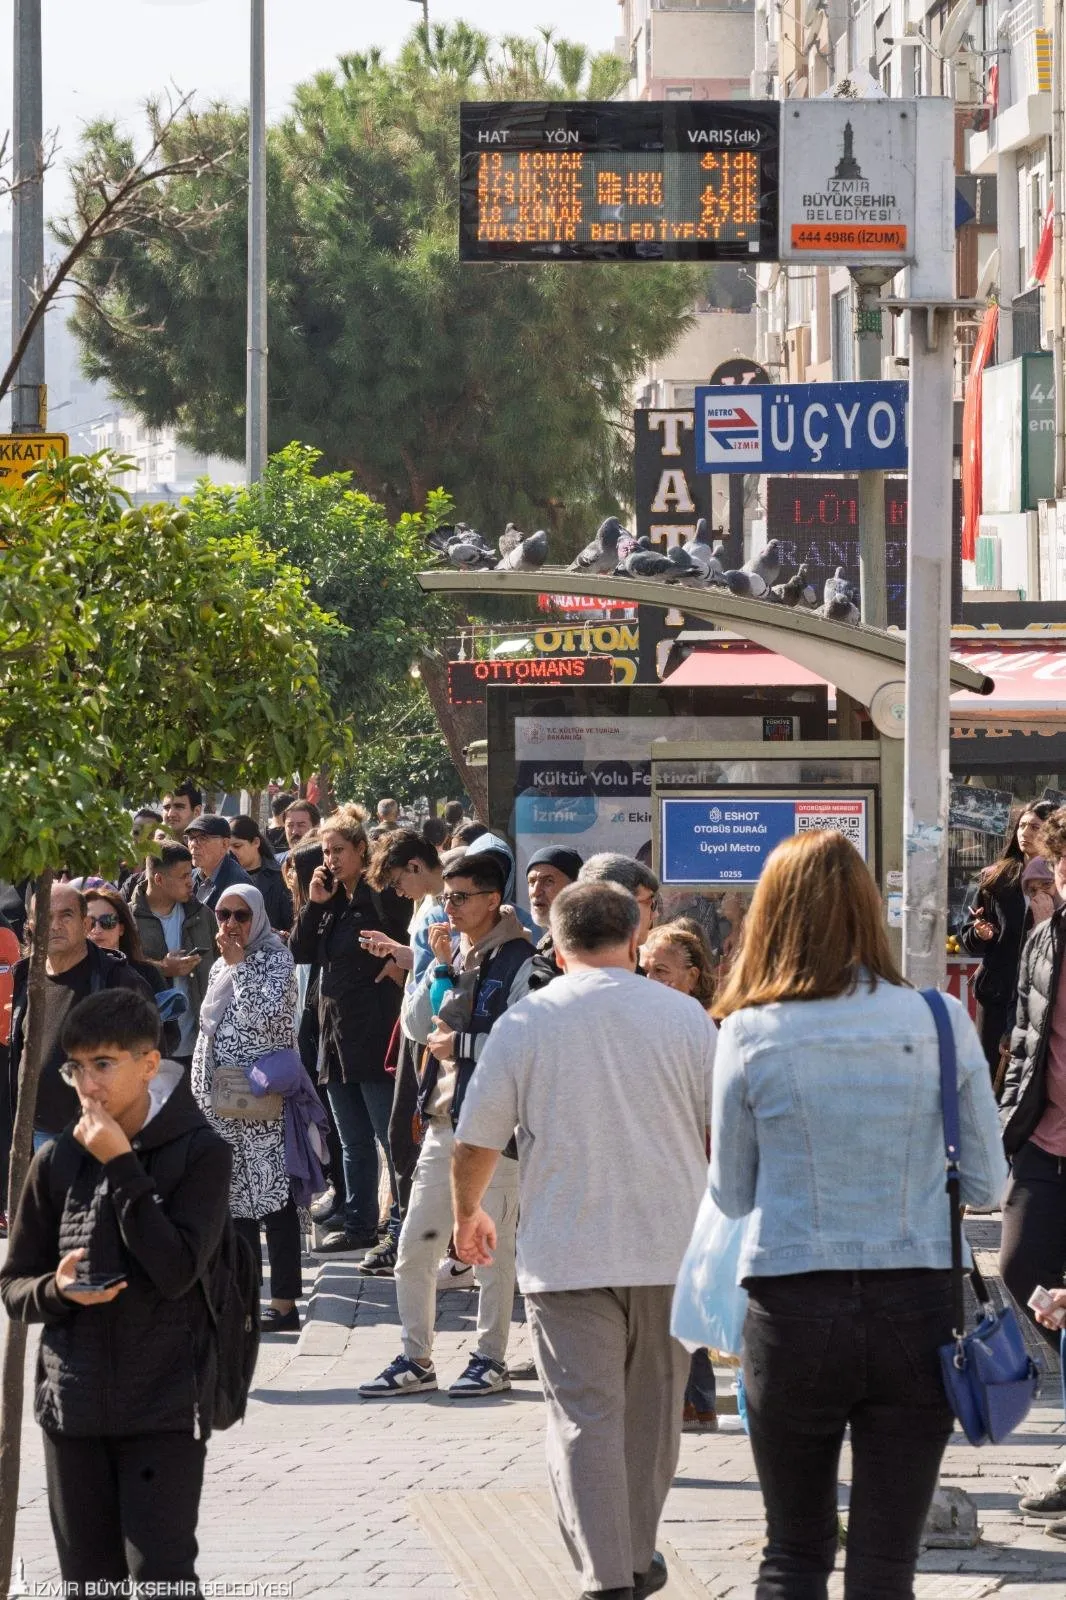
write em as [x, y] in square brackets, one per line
[322, 1493]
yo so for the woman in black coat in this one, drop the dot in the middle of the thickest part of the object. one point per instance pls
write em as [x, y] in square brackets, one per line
[996, 927]
[253, 851]
[358, 1008]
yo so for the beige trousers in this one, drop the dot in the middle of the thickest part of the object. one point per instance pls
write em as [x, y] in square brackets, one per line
[427, 1227]
[614, 1382]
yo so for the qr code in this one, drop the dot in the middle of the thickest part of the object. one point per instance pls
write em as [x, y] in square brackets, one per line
[850, 825]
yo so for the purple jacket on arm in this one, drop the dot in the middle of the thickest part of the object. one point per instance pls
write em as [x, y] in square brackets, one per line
[282, 1072]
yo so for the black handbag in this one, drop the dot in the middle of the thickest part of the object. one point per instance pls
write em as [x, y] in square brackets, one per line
[989, 1377]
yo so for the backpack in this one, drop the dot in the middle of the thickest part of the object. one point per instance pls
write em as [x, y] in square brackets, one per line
[231, 1291]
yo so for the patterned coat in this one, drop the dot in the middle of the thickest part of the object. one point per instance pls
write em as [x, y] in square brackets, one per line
[260, 1019]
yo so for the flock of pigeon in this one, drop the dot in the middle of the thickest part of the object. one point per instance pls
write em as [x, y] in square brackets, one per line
[616, 553]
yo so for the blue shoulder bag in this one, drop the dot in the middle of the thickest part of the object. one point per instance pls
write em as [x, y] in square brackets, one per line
[989, 1377]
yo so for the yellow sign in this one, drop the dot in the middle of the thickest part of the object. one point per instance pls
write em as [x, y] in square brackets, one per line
[21, 452]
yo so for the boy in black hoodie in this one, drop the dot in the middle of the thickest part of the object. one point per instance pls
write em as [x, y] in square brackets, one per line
[118, 1222]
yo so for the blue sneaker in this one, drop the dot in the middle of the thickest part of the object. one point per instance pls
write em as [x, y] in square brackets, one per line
[402, 1376]
[482, 1376]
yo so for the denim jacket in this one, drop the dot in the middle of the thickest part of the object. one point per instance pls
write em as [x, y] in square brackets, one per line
[827, 1127]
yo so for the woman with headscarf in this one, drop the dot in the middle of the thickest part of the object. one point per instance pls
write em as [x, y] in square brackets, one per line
[248, 1012]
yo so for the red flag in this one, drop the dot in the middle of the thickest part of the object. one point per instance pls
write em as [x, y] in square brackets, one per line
[971, 433]
[1042, 259]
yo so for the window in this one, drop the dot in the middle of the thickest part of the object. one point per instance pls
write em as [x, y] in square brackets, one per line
[843, 341]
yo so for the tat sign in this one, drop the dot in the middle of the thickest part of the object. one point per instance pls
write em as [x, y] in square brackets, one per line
[802, 427]
[670, 496]
[848, 182]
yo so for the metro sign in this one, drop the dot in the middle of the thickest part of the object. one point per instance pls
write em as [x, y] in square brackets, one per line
[732, 428]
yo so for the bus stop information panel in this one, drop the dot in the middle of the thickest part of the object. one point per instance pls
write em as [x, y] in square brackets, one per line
[673, 181]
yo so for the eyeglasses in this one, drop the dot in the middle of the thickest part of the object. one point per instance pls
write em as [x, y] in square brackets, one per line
[459, 897]
[72, 1071]
[107, 919]
[226, 915]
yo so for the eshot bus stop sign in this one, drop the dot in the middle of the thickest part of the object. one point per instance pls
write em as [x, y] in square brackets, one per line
[723, 838]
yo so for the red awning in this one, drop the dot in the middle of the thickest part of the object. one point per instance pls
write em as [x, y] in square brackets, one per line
[1027, 677]
[1030, 679]
[738, 667]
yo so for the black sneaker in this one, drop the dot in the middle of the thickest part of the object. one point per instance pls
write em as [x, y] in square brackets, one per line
[1050, 1503]
[381, 1261]
[650, 1582]
[341, 1243]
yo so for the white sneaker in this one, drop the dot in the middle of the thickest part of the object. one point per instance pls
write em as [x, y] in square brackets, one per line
[401, 1376]
[455, 1275]
[482, 1376]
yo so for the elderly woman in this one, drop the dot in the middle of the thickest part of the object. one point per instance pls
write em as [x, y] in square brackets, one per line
[249, 1012]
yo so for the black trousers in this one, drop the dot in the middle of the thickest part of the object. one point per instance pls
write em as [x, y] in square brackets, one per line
[402, 1146]
[993, 1021]
[1033, 1244]
[126, 1508]
[823, 1350]
[284, 1248]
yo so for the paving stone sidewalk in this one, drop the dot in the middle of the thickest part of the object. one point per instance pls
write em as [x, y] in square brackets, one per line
[324, 1494]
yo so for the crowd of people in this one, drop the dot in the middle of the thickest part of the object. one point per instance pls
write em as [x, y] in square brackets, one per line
[298, 1020]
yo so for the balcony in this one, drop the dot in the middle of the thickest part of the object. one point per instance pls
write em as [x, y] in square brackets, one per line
[1024, 116]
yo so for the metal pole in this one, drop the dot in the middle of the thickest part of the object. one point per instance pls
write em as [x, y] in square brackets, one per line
[256, 393]
[735, 546]
[873, 584]
[925, 778]
[1058, 261]
[28, 400]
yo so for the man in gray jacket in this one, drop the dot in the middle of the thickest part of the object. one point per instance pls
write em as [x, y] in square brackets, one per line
[607, 1079]
[177, 934]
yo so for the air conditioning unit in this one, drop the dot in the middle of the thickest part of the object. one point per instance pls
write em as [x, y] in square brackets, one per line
[774, 352]
[798, 346]
[966, 79]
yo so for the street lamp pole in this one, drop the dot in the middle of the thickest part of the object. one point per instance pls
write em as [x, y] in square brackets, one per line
[256, 389]
[27, 207]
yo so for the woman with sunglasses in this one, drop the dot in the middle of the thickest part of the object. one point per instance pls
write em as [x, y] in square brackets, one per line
[111, 927]
[256, 855]
[248, 1012]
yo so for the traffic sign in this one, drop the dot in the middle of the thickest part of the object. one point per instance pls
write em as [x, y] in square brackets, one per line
[849, 181]
[21, 452]
[802, 427]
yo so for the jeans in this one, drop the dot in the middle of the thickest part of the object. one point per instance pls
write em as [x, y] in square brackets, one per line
[284, 1248]
[361, 1112]
[822, 1350]
[1033, 1244]
[701, 1391]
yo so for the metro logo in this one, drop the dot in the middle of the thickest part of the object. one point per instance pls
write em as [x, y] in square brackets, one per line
[733, 428]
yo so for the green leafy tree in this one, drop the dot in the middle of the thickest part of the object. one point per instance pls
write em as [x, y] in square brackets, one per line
[359, 566]
[135, 646]
[507, 383]
[401, 751]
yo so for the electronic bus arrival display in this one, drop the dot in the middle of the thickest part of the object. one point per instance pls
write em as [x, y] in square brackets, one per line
[641, 181]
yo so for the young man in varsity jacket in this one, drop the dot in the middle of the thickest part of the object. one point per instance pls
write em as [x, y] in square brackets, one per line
[486, 955]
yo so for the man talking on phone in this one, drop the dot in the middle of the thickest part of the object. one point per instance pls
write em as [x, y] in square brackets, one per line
[120, 1218]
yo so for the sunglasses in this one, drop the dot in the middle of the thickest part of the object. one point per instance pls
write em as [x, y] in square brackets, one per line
[226, 915]
[459, 897]
[107, 919]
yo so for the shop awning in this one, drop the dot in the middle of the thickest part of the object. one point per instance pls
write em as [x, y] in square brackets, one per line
[1029, 677]
[739, 666]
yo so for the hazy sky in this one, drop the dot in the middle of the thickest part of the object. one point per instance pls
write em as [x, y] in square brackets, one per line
[108, 56]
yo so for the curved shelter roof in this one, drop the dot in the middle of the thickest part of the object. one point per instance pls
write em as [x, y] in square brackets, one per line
[862, 661]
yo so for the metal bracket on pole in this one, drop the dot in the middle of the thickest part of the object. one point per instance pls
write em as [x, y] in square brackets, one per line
[932, 309]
